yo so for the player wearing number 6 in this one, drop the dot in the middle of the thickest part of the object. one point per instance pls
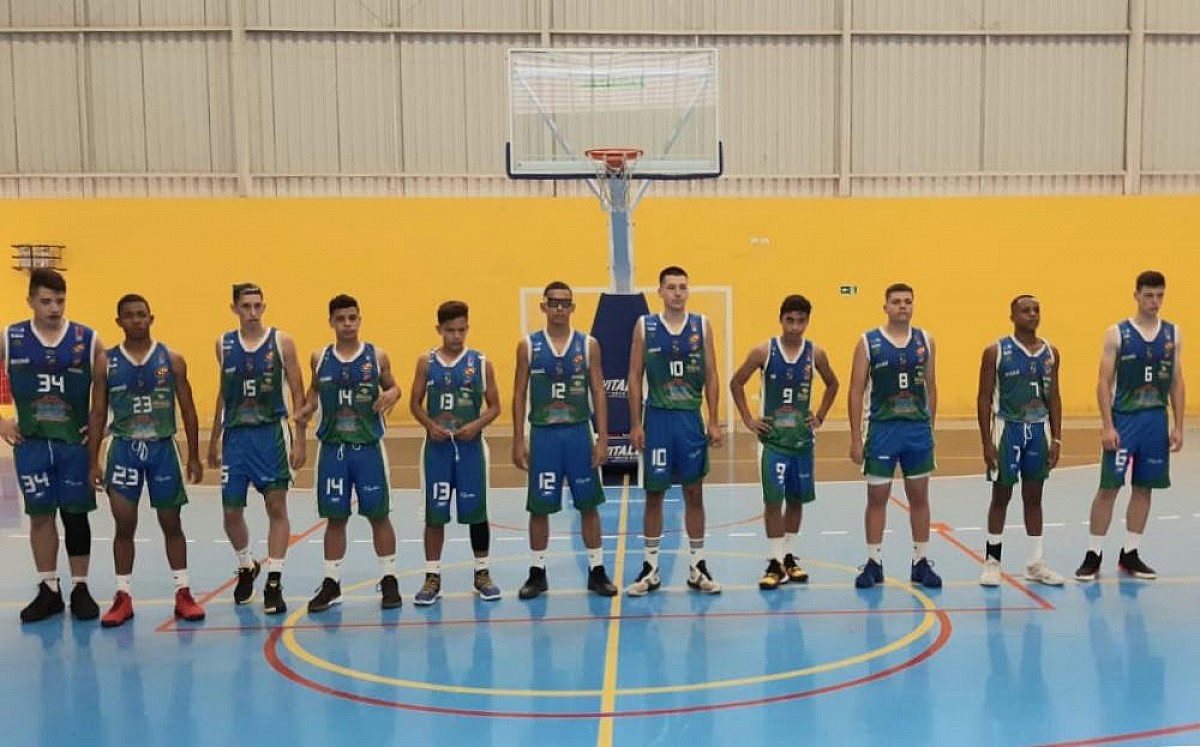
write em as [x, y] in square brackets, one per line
[559, 384]
[1020, 422]
[1141, 372]
[785, 430]
[51, 364]
[893, 373]
[250, 428]
[135, 395]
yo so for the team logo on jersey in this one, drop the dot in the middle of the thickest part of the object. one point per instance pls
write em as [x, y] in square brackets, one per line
[1168, 347]
[77, 349]
[469, 372]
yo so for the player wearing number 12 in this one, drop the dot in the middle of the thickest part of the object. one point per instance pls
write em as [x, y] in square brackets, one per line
[136, 394]
[51, 364]
[1141, 372]
[893, 373]
[351, 389]
[785, 430]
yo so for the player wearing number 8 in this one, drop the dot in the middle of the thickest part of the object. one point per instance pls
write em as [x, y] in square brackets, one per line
[1140, 374]
[894, 369]
[51, 363]
[136, 391]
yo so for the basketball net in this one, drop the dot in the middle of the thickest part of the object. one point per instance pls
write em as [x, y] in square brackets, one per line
[614, 168]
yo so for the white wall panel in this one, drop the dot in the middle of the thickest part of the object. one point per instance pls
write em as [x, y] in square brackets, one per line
[777, 15]
[1055, 104]
[367, 99]
[915, 105]
[181, 12]
[1171, 129]
[304, 77]
[1056, 15]
[39, 13]
[46, 93]
[260, 109]
[508, 15]
[433, 106]
[117, 105]
[917, 15]
[220, 110]
[1173, 15]
[8, 106]
[177, 105]
[486, 102]
[111, 12]
[625, 15]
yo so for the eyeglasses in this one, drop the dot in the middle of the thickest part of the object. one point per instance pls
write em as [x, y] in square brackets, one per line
[558, 303]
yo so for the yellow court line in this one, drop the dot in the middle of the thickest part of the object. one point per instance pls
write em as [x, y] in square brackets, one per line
[608, 690]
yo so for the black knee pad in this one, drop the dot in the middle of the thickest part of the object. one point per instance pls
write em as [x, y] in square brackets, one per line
[77, 532]
[481, 536]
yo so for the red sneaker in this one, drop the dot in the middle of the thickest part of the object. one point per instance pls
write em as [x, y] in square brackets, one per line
[186, 607]
[120, 612]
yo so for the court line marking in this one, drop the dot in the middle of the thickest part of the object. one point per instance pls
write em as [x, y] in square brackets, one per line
[612, 647]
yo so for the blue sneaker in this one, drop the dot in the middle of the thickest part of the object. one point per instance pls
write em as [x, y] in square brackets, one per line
[922, 573]
[872, 574]
[430, 590]
[485, 587]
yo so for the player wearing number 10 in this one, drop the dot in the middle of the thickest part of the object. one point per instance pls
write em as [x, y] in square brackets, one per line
[894, 367]
[51, 364]
[257, 365]
[1140, 373]
[136, 392]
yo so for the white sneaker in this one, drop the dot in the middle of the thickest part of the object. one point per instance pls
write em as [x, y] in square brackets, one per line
[1039, 572]
[991, 572]
[701, 580]
[647, 581]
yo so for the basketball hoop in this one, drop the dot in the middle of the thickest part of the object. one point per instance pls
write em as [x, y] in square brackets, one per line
[613, 166]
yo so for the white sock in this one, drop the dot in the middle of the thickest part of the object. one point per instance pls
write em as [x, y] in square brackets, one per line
[125, 584]
[595, 557]
[695, 551]
[77, 580]
[481, 564]
[919, 550]
[49, 578]
[1036, 548]
[995, 539]
[1096, 543]
[387, 565]
[791, 543]
[434, 567]
[875, 552]
[652, 544]
[333, 569]
[777, 545]
[537, 559]
[181, 579]
[1132, 539]
[274, 565]
[244, 558]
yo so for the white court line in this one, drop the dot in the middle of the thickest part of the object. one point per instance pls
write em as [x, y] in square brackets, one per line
[967, 529]
[1168, 517]
[743, 534]
[1053, 524]
[835, 531]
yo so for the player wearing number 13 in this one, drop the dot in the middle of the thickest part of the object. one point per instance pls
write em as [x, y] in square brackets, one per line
[1140, 373]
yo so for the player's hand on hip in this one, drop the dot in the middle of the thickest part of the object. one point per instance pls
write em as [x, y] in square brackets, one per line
[757, 425]
[1110, 439]
[520, 454]
[716, 435]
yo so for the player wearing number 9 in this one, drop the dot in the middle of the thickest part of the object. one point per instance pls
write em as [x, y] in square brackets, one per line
[1140, 373]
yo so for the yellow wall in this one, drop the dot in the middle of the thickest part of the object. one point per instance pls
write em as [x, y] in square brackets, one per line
[966, 258]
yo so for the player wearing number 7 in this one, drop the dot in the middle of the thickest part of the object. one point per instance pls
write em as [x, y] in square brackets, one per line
[135, 394]
[894, 368]
[250, 429]
[1141, 372]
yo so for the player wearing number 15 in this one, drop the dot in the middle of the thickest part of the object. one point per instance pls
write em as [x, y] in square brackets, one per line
[895, 363]
[51, 364]
[1141, 372]
[352, 388]
[251, 441]
[136, 393]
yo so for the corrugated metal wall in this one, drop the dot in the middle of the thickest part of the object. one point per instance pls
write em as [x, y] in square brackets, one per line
[822, 97]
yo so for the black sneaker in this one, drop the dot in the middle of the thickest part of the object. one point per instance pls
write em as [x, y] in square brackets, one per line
[535, 584]
[45, 604]
[244, 591]
[273, 603]
[83, 607]
[599, 582]
[389, 590]
[1090, 567]
[701, 580]
[329, 594]
[774, 577]
[794, 572]
[1133, 565]
[647, 581]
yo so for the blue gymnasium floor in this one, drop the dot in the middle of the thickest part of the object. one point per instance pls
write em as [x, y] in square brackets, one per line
[1112, 662]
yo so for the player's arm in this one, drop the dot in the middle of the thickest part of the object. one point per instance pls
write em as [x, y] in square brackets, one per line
[599, 402]
[187, 412]
[97, 418]
[983, 405]
[1105, 383]
[1177, 396]
[520, 450]
[214, 436]
[832, 385]
[637, 369]
[8, 426]
[1054, 404]
[389, 388]
[305, 412]
[416, 402]
[854, 401]
[491, 409]
[755, 360]
[295, 377]
[931, 380]
[712, 388]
